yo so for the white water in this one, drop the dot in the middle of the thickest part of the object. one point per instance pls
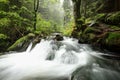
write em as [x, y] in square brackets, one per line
[51, 60]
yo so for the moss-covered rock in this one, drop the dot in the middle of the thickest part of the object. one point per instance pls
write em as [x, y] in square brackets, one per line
[113, 37]
[112, 42]
[22, 43]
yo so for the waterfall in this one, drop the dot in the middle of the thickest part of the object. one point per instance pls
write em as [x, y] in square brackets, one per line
[58, 60]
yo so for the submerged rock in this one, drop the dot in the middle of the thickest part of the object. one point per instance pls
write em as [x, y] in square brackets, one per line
[58, 38]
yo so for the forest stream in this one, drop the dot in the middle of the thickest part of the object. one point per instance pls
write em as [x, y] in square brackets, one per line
[90, 50]
[58, 60]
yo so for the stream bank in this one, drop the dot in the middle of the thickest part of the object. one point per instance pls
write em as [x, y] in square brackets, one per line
[103, 32]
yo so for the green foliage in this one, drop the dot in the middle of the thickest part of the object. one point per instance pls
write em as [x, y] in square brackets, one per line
[115, 27]
[45, 27]
[89, 30]
[17, 3]
[100, 17]
[3, 14]
[54, 1]
[25, 13]
[16, 20]
[28, 4]
[5, 1]
[51, 11]
[110, 18]
[3, 36]
[113, 18]
[67, 30]
[115, 35]
[4, 22]
[4, 4]
[13, 15]
[88, 8]
[12, 19]
[4, 42]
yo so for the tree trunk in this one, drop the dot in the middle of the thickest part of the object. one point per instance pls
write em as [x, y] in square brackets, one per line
[76, 8]
[36, 5]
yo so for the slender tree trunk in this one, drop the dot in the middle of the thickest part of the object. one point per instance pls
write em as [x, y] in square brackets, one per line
[85, 6]
[36, 6]
[76, 8]
[117, 5]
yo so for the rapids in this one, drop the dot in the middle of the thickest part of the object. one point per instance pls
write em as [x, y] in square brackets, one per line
[58, 60]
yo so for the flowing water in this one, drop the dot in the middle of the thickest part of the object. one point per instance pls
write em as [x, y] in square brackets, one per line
[58, 60]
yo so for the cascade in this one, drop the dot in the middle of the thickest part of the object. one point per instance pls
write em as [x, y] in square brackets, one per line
[58, 60]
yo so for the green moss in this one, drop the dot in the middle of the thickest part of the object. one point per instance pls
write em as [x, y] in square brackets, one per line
[114, 35]
[20, 41]
[113, 38]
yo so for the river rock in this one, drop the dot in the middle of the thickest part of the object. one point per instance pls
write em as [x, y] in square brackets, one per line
[58, 37]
